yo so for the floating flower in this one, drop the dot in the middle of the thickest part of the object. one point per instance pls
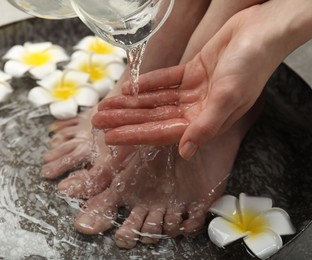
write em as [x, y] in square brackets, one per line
[64, 91]
[5, 87]
[104, 70]
[251, 218]
[39, 59]
[94, 44]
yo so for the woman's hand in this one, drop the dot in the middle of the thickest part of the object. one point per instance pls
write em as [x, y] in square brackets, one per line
[195, 102]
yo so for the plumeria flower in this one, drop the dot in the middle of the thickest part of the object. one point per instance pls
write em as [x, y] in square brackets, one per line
[250, 218]
[39, 59]
[5, 87]
[65, 91]
[104, 70]
[94, 44]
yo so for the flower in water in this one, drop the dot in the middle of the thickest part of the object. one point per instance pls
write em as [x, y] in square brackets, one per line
[94, 44]
[39, 59]
[5, 87]
[250, 218]
[64, 91]
[104, 70]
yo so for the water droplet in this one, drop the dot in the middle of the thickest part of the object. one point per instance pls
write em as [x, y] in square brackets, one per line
[120, 186]
[133, 181]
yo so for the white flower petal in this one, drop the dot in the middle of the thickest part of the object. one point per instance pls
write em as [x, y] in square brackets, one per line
[15, 68]
[77, 60]
[103, 86]
[51, 80]
[250, 206]
[39, 96]
[226, 207]
[5, 91]
[278, 220]
[84, 43]
[58, 54]
[116, 69]
[107, 58]
[121, 52]
[222, 232]
[4, 77]
[37, 47]
[265, 244]
[86, 96]
[80, 55]
[64, 109]
[76, 76]
[40, 72]
[15, 53]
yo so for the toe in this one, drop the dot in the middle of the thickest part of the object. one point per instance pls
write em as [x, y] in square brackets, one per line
[128, 234]
[99, 215]
[64, 135]
[195, 222]
[153, 226]
[86, 183]
[172, 221]
[60, 124]
[61, 150]
[63, 164]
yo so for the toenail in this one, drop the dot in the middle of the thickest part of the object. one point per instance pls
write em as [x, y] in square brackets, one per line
[45, 173]
[122, 244]
[188, 150]
[51, 133]
[86, 221]
[148, 240]
[69, 186]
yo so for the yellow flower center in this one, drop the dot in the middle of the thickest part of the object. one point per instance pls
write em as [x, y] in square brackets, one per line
[252, 222]
[65, 90]
[101, 47]
[96, 70]
[36, 58]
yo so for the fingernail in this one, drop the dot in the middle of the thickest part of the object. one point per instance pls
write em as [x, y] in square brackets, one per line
[188, 150]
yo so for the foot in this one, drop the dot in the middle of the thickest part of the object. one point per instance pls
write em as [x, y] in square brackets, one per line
[165, 194]
[74, 143]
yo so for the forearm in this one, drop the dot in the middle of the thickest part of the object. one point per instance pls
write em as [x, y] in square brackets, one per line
[301, 22]
[296, 19]
[218, 13]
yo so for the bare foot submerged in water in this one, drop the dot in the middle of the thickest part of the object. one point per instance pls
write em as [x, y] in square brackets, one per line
[164, 197]
[177, 196]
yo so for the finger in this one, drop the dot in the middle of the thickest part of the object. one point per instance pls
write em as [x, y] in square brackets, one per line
[143, 100]
[198, 132]
[152, 133]
[161, 78]
[210, 121]
[118, 117]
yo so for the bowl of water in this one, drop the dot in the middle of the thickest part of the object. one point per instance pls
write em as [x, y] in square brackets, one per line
[36, 223]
